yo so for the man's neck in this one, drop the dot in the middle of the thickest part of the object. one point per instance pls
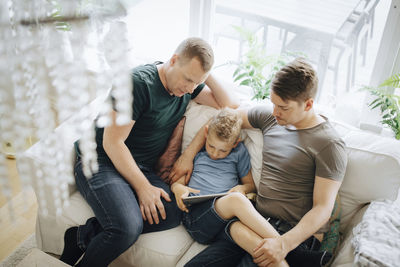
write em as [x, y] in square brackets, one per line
[161, 74]
[311, 120]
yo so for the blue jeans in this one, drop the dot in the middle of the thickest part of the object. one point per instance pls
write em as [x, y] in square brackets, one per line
[118, 222]
[221, 253]
[224, 252]
[202, 222]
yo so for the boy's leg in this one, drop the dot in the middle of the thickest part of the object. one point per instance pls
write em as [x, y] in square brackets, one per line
[247, 239]
[203, 223]
[238, 205]
[305, 255]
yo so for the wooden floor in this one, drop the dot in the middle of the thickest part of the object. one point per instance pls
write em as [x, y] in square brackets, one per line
[14, 231]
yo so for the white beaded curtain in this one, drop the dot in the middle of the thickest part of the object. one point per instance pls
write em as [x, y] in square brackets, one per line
[46, 77]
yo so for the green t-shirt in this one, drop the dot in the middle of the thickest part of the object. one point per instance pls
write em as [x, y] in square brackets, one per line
[156, 114]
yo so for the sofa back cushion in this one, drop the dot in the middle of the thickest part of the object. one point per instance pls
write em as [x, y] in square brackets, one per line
[171, 153]
[373, 171]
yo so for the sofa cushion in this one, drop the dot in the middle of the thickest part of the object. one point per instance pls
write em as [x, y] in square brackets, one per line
[163, 248]
[197, 115]
[373, 172]
[171, 153]
[156, 249]
[345, 252]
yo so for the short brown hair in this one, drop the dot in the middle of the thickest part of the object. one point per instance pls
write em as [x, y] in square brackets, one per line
[226, 125]
[296, 81]
[196, 47]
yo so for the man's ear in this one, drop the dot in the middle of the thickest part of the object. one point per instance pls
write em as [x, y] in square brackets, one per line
[309, 104]
[173, 59]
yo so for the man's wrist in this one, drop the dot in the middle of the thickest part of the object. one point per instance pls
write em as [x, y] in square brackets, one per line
[188, 154]
[287, 243]
[141, 185]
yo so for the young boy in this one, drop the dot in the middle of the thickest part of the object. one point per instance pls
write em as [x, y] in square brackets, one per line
[217, 169]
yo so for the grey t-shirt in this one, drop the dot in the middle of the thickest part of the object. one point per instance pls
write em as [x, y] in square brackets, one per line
[291, 160]
[219, 176]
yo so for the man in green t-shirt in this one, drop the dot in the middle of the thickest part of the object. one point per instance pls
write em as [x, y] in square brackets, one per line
[127, 197]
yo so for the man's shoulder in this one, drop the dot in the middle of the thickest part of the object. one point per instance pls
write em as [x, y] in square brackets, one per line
[329, 138]
[330, 133]
[144, 73]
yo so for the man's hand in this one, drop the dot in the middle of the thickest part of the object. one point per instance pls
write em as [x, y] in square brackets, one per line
[180, 192]
[182, 167]
[270, 251]
[150, 202]
[239, 188]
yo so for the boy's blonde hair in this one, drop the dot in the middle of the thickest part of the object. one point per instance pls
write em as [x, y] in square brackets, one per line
[226, 125]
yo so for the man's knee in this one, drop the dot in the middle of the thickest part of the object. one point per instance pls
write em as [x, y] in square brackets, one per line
[125, 235]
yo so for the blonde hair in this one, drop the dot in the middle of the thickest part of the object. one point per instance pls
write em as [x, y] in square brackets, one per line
[226, 125]
[195, 47]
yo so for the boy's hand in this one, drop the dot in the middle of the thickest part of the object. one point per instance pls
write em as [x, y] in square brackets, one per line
[239, 188]
[180, 192]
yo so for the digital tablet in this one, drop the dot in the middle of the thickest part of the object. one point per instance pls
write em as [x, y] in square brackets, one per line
[190, 200]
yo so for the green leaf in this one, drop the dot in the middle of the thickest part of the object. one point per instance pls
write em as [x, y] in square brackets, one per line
[251, 73]
[237, 71]
[393, 81]
[377, 105]
[241, 76]
[245, 82]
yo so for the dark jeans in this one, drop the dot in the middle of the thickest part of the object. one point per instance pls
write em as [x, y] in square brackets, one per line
[224, 252]
[202, 222]
[118, 222]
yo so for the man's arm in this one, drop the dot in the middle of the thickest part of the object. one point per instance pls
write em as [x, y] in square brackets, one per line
[184, 165]
[214, 95]
[324, 195]
[244, 114]
[149, 196]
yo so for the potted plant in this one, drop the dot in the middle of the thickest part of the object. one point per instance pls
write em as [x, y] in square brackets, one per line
[388, 103]
[257, 69]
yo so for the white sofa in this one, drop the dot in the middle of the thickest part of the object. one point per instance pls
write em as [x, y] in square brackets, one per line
[373, 172]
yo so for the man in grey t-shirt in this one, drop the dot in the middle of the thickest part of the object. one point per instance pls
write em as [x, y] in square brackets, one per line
[304, 162]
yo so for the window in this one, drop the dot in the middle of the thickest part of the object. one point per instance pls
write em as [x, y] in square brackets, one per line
[340, 38]
[156, 28]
